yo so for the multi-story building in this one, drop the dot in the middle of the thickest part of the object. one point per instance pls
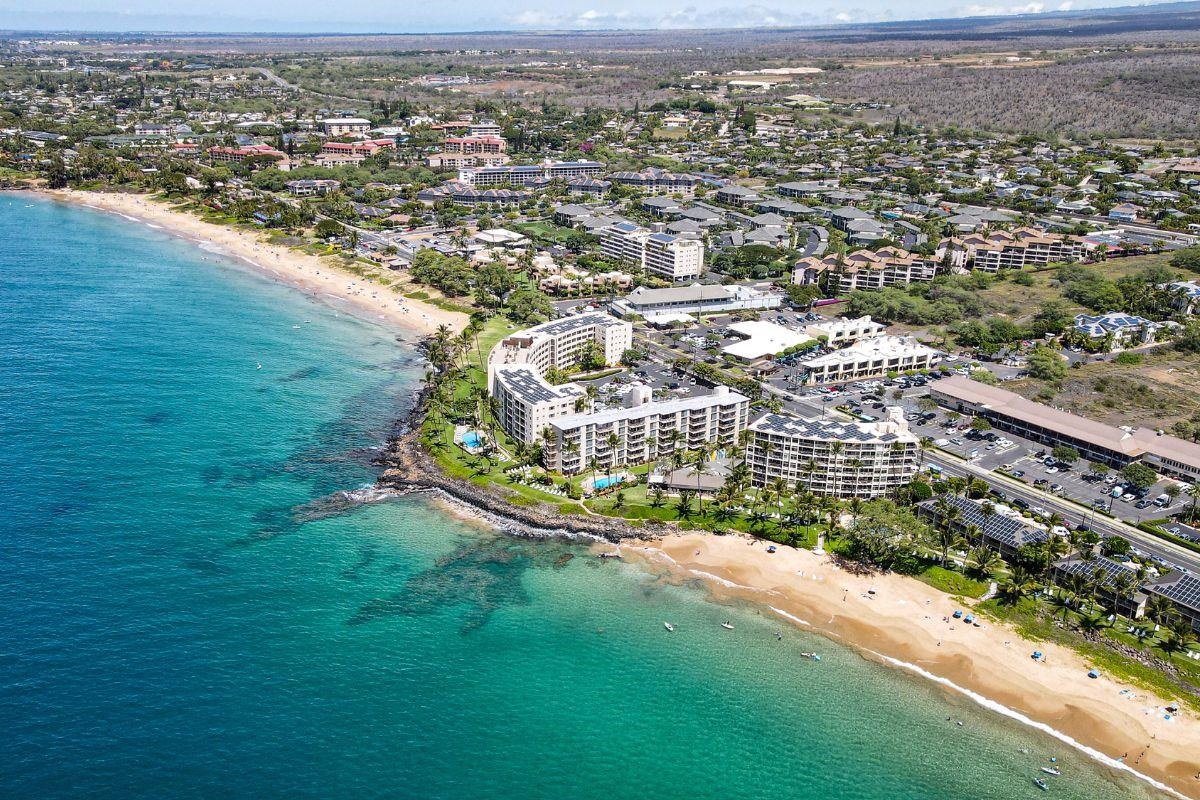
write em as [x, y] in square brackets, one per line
[653, 179]
[345, 126]
[1017, 249]
[367, 147]
[528, 175]
[672, 257]
[526, 403]
[560, 343]
[866, 269]
[843, 331]
[870, 358]
[644, 430]
[464, 152]
[838, 459]
[238, 155]
[475, 144]
[1094, 441]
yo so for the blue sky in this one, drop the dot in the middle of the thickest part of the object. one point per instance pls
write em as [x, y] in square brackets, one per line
[353, 16]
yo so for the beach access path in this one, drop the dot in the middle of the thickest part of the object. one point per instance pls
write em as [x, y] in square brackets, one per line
[905, 623]
[317, 277]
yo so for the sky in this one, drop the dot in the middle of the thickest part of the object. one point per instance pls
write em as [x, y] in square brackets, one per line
[407, 16]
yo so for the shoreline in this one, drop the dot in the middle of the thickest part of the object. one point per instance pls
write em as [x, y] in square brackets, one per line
[316, 278]
[898, 622]
[894, 620]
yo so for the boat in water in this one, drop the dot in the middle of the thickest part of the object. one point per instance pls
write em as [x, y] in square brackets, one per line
[1041, 784]
[727, 626]
[812, 656]
[1052, 770]
[669, 626]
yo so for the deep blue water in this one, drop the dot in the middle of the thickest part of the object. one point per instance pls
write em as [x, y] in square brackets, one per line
[183, 615]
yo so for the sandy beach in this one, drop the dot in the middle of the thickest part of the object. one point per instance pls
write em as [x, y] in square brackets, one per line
[909, 625]
[314, 276]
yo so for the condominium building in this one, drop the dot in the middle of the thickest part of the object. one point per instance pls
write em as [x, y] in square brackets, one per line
[345, 126]
[527, 175]
[644, 430]
[238, 155]
[870, 358]
[560, 343]
[672, 257]
[312, 187]
[653, 179]
[843, 331]
[475, 144]
[526, 403]
[866, 269]
[1017, 249]
[367, 147]
[837, 459]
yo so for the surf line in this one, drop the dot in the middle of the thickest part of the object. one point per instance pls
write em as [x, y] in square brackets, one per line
[1013, 714]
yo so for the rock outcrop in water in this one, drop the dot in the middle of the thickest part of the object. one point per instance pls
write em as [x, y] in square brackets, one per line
[407, 467]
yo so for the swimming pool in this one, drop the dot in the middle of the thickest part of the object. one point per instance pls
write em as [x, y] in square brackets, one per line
[471, 439]
[605, 482]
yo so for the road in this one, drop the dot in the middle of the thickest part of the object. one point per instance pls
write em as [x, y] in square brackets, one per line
[283, 84]
[1072, 513]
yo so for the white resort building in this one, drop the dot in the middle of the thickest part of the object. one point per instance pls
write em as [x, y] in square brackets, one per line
[526, 402]
[839, 459]
[870, 358]
[672, 257]
[644, 430]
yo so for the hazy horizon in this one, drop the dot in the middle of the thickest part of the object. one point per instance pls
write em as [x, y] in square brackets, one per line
[360, 17]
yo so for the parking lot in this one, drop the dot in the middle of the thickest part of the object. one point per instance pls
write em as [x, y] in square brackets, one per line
[1027, 462]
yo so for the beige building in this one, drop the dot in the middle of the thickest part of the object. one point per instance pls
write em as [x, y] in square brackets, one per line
[866, 269]
[843, 331]
[1023, 247]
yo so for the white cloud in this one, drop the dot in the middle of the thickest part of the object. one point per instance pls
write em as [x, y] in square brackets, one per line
[1002, 11]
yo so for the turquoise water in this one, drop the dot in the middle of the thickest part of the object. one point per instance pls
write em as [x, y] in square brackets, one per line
[605, 482]
[185, 613]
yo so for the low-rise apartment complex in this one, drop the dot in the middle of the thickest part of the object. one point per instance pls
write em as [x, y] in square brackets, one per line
[865, 269]
[870, 358]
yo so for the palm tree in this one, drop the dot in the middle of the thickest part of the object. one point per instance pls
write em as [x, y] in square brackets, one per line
[656, 497]
[701, 467]
[985, 560]
[1017, 586]
[988, 509]
[947, 539]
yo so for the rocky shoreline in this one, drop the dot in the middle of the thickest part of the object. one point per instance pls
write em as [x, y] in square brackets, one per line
[408, 468]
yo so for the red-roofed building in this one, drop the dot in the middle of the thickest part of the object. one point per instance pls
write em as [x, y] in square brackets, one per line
[237, 155]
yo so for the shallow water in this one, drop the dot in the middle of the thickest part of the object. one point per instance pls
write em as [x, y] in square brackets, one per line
[188, 610]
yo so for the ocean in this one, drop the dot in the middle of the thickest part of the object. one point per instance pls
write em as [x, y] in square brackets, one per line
[187, 610]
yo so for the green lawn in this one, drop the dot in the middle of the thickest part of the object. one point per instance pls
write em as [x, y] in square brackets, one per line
[1036, 620]
[951, 582]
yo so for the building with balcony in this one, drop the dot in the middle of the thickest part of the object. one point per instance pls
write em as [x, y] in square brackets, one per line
[643, 430]
[870, 358]
[832, 458]
[672, 257]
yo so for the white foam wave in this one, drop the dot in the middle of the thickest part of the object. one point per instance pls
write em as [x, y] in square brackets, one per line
[790, 617]
[717, 579]
[1011, 713]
